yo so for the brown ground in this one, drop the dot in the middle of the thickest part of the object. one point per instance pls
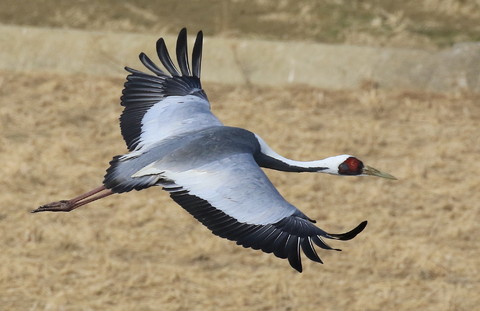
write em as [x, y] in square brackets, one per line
[140, 251]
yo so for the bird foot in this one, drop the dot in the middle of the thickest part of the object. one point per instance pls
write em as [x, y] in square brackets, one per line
[59, 206]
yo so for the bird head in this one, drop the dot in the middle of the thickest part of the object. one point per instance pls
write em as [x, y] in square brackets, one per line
[351, 166]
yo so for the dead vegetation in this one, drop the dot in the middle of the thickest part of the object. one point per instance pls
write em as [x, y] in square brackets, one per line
[140, 251]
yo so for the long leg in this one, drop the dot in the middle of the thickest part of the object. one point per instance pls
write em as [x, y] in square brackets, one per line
[69, 205]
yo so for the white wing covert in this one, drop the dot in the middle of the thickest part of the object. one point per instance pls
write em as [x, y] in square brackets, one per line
[165, 104]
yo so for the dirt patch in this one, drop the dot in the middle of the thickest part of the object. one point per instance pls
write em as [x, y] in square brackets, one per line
[140, 251]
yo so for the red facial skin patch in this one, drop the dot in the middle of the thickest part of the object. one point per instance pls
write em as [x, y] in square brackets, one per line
[351, 166]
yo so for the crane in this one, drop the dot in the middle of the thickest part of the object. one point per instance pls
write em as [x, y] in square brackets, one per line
[211, 170]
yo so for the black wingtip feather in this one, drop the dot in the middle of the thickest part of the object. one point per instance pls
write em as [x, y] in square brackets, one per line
[293, 249]
[147, 62]
[164, 57]
[279, 245]
[182, 52]
[197, 55]
[309, 250]
[350, 234]
[321, 243]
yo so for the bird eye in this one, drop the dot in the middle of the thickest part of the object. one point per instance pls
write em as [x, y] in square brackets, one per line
[343, 168]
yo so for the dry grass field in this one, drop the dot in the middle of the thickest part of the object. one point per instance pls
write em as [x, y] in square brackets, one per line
[140, 251]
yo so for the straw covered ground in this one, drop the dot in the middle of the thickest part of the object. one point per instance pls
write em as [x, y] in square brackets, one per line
[140, 251]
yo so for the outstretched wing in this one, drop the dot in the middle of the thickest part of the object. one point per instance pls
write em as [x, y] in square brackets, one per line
[165, 104]
[234, 198]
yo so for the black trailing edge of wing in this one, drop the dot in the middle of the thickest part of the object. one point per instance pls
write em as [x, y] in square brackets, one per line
[143, 90]
[285, 238]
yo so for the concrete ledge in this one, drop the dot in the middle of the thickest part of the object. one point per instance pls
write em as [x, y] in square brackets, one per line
[234, 61]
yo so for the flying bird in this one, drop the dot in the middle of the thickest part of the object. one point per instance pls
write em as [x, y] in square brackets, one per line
[213, 171]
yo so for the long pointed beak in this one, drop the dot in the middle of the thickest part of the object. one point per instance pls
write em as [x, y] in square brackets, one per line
[368, 170]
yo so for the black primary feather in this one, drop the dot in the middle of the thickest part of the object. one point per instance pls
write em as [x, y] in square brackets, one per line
[182, 56]
[165, 58]
[150, 65]
[197, 55]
